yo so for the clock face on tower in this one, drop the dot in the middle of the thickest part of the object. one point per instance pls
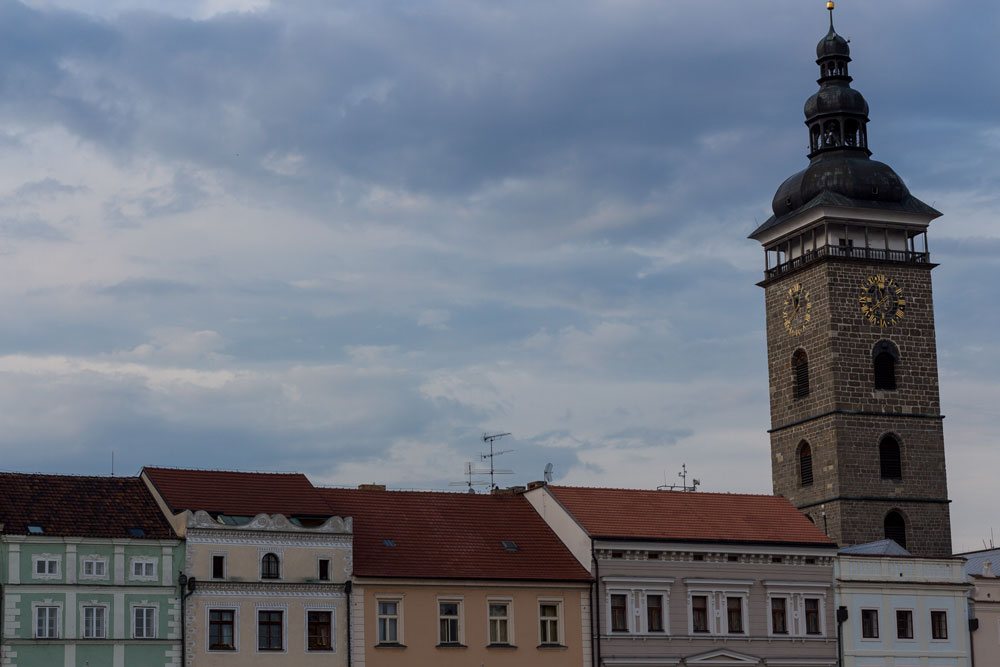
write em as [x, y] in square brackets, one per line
[882, 301]
[796, 312]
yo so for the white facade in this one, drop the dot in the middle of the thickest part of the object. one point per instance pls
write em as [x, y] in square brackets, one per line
[903, 611]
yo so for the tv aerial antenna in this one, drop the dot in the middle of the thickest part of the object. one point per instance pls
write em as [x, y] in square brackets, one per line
[470, 472]
[490, 439]
[683, 486]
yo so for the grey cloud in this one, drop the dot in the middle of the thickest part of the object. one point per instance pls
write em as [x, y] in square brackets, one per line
[46, 188]
[30, 227]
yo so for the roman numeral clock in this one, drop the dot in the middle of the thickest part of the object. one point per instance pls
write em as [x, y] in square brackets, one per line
[856, 426]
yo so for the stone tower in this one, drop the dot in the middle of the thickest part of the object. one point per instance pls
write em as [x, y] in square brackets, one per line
[856, 425]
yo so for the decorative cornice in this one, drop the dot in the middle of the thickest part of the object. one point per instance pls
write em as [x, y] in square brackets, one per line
[335, 591]
[262, 539]
[272, 523]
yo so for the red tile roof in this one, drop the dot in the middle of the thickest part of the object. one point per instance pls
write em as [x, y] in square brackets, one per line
[684, 516]
[237, 493]
[72, 506]
[440, 535]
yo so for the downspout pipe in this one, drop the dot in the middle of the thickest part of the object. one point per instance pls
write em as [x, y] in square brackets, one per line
[842, 615]
[187, 586]
[597, 608]
[348, 587]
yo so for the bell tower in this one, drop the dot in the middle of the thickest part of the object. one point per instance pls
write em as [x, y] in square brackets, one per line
[856, 426]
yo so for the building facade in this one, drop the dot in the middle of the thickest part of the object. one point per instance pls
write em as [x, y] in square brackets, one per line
[87, 574]
[856, 425]
[270, 563]
[698, 578]
[984, 599]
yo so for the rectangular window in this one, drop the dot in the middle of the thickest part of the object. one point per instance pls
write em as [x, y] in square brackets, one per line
[47, 566]
[812, 617]
[218, 567]
[144, 569]
[46, 622]
[221, 630]
[869, 623]
[320, 630]
[270, 628]
[734, 615]
[93, 567]
[699, 613]
[94, 622]
[144, 622]
[388, 622]
[779, 616]
[939, 625]
[548, 617]
[619, 613]
[448, 623]
[904, 624]
[324, 569]
[654, 613]
[499, 623]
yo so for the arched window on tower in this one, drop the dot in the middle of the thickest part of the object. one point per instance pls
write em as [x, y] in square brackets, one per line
[890, 461]
[800, 374]
[884, 358]
[805, 464]
[895, 528]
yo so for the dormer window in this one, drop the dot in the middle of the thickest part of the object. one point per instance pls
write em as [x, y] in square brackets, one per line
[35, 529]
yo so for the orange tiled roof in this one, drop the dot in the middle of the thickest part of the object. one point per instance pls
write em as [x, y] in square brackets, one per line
[684, 516]
[77, 506]
[238, 493]
[439, 535]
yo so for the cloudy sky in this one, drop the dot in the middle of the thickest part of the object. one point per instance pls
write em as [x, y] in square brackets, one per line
[349, 236]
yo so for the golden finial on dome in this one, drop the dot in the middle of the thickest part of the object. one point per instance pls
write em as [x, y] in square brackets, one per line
[830, 5]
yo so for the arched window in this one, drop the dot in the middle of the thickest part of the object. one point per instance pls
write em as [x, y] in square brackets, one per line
[890, 461]
[800, 374]
[884, 358]
[270, 567]
[895, 528]
[805, 464]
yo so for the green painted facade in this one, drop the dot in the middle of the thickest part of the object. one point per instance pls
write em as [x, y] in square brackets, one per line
[106, 602]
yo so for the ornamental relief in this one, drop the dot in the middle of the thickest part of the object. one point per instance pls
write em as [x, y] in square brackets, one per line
[271, 523]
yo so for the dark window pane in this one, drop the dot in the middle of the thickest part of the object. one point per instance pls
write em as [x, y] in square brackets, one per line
[779, 616]
[699, 613]
[221, 623]
[218, 567]
[619, 616]
[812, 617]
[885, 371]
[805, 464]
[895, 528]
[654, 613]
[890, 461]
[869, 623]
[269, 567]
[324, 569]
[320, 631]
[734, 614]
[904, 624]
[800, 374]
[939, 624]
[269, 630]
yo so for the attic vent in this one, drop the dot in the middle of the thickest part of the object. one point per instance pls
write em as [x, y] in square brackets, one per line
[35, 529]
[136, 532]
[510, 545]
[389, 543]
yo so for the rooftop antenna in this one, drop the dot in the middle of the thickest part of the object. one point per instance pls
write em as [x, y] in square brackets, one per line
[683, 486]
[547, 474]
[470, 471]
[491, 438]
[112, 463]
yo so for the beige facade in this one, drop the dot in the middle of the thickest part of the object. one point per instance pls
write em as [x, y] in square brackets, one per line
[403, 623]
[986, 609]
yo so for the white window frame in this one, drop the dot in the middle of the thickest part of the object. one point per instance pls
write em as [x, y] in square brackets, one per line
[716, 590]
[333, 628]
[821, 600]
[284, 628]
[46, 604]
[208, 609]
[143, 561]
[560, 622]
[156, 619]
[509, 618]
[629, 612]
[96, 606]
[460, 624]
[50, 573]
[795, 594]
[93, 560]
[947, 625]
[398, 601]
[744, 599]
[878, 624]
[789, 625]
[664, 611]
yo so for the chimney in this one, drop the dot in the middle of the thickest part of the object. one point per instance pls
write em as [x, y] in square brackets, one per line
[371, 487]
[535, 485]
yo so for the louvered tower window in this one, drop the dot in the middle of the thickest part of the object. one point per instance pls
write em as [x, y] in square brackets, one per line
[890, 460]
[895, 528]
[800, 373]
[884, 358]
[805, 464]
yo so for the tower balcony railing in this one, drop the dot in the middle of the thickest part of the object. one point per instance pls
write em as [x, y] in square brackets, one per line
[847, 252]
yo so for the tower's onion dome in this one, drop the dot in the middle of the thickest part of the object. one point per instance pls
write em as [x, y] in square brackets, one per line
[832, 45]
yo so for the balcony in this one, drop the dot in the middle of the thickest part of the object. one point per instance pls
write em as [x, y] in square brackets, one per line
[847, 252]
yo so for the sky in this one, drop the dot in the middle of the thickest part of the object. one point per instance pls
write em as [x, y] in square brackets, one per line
[348, 237]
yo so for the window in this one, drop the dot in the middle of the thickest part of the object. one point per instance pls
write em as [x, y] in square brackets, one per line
[619, 613]
[221, 630]
[320, 630]
[800, 374]
[884, 358]
[448, 622]
[654, 613]
[890, 461]
[388, 622]
[939, 625]
[95, 567]
[46, 566]
[218, 567]
[699, 613]
[35, 529]
[270, 628]
[548, 619]
[869, 623]
[805, 464]
[812, 616]
[779, 616]
[46, 622]
[143, 568]
[324, 569]
[895, 528]
[904, 624]
[499, 613]
[270, 567]
[95, 622]
[144, 622]
[734, 615]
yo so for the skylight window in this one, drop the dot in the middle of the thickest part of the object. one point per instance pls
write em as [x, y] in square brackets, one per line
[389, 543]
[35, 529]
[510, 546]
[136, 532]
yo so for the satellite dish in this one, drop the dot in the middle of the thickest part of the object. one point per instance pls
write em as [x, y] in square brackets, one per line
[548, 472]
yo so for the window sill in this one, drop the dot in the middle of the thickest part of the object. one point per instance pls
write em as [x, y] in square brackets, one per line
[390, 645]
[552, 647]
[328, 649]
[501, 646]
[451, 645]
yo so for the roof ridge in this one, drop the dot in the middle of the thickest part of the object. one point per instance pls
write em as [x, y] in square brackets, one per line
[688, 493]
[65, 475]
[227, 470]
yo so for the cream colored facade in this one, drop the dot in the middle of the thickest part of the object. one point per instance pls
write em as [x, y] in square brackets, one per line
[418, 624]
[986, 609]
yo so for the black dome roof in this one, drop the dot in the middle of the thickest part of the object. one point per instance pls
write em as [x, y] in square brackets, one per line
[856, 177]
[836, 99]
[832, 45]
